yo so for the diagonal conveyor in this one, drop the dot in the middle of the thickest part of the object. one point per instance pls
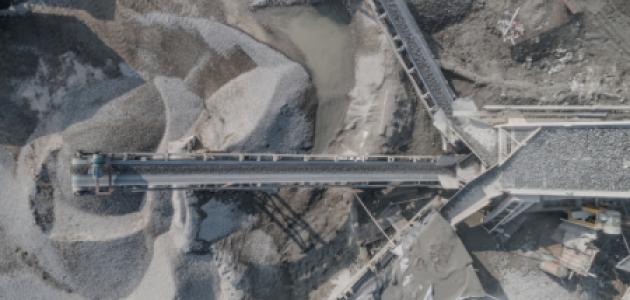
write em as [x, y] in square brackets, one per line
[425, 75]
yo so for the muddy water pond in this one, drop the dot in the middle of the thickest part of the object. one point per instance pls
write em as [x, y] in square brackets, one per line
[322, 36]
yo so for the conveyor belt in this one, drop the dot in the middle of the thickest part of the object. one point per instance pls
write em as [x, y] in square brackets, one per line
[425, 74]
[213, 171]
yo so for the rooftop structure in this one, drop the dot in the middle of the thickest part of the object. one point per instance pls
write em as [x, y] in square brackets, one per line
[570, 159]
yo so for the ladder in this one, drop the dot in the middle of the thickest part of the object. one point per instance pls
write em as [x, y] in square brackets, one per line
[504, 213]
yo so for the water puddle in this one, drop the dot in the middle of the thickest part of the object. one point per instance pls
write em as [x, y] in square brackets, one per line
[322, 35]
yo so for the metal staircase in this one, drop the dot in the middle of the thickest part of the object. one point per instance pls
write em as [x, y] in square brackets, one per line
[509, 208]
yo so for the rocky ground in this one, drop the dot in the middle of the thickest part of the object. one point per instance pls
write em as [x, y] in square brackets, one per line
[259, 76]
[510, 270]
[583, 65]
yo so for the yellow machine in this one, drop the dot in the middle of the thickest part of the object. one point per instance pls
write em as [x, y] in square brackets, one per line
[596, 218]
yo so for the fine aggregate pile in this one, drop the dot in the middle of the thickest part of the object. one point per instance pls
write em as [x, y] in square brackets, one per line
[434, 263]
[86, 87]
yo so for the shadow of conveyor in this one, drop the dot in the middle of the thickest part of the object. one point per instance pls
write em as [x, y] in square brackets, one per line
[490, 284]
[319, 261]
[301, 277]
[312, 262]
[477, 239]
[282, 214]
[527, 237]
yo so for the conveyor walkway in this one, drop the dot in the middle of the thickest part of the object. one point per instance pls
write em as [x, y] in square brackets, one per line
[253, 171]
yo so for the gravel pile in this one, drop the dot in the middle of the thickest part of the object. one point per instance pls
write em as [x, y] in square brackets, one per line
[576, 159]
[72, 92]
[572, 159]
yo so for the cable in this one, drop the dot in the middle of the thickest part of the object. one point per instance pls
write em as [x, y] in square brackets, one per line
[374, 220]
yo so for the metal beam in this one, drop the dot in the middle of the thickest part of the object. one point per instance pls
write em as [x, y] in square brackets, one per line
[563, 108]
[569, 193]
[214, 170]
[524, 124]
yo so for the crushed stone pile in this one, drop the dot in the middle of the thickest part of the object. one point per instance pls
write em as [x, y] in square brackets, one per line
[71, 91]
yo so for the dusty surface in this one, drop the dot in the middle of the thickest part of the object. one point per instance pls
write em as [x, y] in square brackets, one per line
[118, 76]
[145, 76]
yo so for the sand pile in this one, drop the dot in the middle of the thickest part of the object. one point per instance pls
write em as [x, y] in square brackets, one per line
[272, 92]
[371, 121]
[434, 262]
[79, 94]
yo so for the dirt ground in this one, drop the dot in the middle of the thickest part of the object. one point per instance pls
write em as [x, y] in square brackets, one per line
[583, 65]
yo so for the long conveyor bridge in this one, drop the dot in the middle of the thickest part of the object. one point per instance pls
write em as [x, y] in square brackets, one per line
[102, 173]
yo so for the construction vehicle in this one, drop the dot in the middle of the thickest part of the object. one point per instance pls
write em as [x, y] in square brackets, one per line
[596, 218]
